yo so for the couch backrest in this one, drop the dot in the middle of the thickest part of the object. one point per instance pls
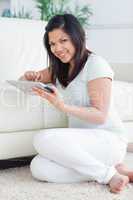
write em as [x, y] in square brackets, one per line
[21, 47]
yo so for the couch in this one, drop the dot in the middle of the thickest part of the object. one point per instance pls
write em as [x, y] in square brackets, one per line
[21, 115]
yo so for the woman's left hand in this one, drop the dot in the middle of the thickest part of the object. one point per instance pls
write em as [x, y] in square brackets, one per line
[54, 98]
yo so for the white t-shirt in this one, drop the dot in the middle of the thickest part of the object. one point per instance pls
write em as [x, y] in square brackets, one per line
[76, 93]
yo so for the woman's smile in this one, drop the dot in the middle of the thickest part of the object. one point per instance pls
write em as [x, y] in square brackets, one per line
[64, 56]
[61, 55]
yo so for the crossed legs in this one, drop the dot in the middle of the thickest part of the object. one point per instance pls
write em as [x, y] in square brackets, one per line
[75, 155]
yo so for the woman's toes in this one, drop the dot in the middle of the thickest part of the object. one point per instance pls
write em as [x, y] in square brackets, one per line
[122, 169]
[118, 183]
[130, 175]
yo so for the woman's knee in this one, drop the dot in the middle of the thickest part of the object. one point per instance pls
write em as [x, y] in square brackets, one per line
[40, 169]
[45, 170]
[42, 141]
[35, 167]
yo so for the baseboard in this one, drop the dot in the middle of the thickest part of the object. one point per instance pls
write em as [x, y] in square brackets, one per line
[15, 162]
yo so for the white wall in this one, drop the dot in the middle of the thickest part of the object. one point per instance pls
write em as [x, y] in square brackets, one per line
[111, 30]
[114, 44]
[112, 12]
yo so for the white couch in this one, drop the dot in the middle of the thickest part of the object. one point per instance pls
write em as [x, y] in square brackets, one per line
[22, 116]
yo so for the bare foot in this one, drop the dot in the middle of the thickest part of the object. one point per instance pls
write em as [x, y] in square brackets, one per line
[123, 169]
[118, 183]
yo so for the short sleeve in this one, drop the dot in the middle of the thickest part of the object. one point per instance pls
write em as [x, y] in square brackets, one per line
[97, 67]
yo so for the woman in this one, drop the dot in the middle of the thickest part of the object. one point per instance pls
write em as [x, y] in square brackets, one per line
[94, 146]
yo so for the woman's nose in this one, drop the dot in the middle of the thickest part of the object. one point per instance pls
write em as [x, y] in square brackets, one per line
[58, 48]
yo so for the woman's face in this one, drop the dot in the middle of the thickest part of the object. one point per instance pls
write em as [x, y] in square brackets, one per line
[61, 46]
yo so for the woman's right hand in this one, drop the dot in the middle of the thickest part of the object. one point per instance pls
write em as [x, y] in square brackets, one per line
[32, 76]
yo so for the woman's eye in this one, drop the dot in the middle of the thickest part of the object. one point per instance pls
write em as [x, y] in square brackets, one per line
[64, 40]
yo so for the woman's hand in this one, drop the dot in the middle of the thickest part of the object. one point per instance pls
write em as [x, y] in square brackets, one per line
[32, 76]
[54, 98]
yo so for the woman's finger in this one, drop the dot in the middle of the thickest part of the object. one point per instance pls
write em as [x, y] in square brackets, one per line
[40, 91]
[54, 89]
[37, 76]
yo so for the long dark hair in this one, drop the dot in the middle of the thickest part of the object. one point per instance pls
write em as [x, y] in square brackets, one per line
[71, 26]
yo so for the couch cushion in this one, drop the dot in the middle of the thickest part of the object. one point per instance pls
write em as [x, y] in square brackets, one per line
[19, 111]
[16, 144]
[123, 99]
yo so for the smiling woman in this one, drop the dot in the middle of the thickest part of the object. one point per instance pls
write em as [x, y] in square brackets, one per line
[71, 50]
[94, 144]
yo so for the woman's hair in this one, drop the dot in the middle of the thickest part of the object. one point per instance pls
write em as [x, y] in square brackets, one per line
[71, 26]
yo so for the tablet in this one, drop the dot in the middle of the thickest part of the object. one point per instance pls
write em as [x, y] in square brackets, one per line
[26, 86]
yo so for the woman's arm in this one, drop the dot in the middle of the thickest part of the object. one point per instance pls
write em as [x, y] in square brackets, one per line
[99, 91]
[41, 76]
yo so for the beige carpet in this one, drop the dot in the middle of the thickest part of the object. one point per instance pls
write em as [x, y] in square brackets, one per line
[18, 184]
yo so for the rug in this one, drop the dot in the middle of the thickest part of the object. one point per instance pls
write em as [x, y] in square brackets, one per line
[18, 184]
